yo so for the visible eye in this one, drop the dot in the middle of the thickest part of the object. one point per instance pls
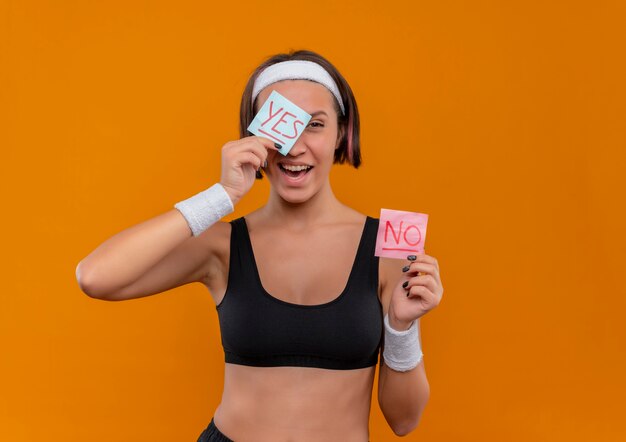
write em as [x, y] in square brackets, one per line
[316, 124]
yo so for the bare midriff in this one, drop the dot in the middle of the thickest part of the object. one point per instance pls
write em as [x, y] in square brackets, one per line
[282, 404]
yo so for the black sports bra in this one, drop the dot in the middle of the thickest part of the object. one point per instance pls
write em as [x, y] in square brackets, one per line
[260, 330]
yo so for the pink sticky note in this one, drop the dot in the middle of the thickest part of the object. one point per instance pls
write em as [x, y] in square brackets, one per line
[400, 233]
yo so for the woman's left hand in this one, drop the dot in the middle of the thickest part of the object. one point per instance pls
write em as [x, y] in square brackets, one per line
[418, 292]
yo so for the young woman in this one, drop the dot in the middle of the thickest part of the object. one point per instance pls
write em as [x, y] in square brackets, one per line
[305, 308]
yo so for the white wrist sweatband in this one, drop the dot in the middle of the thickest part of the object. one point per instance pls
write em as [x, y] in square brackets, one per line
[403, 350]
[205, 208]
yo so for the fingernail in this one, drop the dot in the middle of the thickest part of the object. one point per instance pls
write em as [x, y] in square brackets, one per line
[405, 269]
[405, 284]
[278, 146]
[411, 257]
[265, 164]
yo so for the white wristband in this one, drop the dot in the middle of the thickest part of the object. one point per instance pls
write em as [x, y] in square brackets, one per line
[403, 350]
[205, 208]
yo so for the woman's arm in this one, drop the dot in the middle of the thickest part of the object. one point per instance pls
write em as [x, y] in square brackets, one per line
[148, 258]
[166, 251]
[403, 395]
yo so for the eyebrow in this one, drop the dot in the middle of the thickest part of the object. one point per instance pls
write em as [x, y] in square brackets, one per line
[319, 112]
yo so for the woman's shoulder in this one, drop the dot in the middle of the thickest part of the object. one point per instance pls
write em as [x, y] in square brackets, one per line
[358, 219]
[350, 214]
[216, 238]
[214, 244]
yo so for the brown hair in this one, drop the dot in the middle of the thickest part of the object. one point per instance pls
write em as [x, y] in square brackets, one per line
[349, 148]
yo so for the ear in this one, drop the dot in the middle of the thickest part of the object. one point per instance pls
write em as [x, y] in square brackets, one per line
[340, 134]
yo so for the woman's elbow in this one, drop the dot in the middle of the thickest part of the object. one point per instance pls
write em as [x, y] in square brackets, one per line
[81, 278]
[88, 285]
[408, 425]
[405, 428]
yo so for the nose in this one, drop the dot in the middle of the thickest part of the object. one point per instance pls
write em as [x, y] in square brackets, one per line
[298, 148]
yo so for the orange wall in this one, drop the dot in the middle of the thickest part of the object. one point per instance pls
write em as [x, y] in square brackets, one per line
[503, 120]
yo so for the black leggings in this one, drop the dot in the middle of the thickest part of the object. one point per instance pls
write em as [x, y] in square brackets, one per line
[213, 434]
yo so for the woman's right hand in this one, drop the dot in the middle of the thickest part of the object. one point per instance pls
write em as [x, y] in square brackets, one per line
[240, 161]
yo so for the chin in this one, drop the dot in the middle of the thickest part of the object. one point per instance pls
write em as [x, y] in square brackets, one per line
[295, 196]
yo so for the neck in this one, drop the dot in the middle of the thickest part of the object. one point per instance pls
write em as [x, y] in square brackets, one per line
[319, 208]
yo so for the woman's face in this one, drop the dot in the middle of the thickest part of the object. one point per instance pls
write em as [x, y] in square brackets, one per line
[305, 169]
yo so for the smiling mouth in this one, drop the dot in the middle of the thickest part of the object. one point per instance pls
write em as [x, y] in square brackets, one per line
[294, 171]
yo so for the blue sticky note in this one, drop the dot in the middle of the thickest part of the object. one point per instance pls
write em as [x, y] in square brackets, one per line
[281, 121]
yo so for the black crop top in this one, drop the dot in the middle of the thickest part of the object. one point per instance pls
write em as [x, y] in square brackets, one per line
[260, 330]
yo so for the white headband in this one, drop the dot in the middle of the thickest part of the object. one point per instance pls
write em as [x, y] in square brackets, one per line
[296, 70]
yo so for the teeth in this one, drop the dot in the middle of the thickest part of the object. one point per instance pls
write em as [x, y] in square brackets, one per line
[295, 168]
